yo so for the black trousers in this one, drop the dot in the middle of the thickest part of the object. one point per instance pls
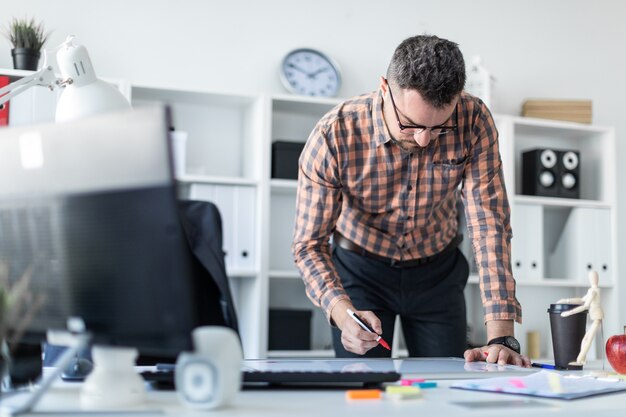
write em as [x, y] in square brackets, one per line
[429, 299]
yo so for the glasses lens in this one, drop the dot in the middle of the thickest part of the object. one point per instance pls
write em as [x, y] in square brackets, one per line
[442, 131]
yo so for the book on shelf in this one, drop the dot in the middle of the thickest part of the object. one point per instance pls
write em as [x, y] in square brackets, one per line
[579, 111]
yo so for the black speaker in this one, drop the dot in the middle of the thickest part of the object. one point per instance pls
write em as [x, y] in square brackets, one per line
[551, 173]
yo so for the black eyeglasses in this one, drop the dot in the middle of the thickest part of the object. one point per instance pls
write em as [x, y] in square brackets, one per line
[434, 131]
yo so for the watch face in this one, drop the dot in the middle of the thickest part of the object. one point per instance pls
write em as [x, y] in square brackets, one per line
[513, 343]
[309, 72]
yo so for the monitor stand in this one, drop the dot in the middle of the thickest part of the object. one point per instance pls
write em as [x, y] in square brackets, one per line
[114, 382]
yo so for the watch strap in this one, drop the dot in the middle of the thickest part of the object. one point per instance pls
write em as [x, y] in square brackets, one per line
[504, 340]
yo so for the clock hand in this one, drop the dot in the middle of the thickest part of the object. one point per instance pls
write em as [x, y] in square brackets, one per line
[319, 71]
[297, 68]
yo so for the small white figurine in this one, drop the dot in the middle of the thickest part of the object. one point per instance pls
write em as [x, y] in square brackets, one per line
[591, 302]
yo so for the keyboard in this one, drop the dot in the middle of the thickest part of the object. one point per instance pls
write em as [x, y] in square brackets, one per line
[163, 376]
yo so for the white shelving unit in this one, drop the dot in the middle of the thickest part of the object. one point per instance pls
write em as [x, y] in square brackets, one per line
[557, 240]
[226, 162]
[229, 151]
[292, 119]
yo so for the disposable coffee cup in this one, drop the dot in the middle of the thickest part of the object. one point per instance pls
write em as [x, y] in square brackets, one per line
[567, 334]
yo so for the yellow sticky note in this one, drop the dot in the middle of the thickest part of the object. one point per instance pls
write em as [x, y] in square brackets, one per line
[555, 383]
[403, 392]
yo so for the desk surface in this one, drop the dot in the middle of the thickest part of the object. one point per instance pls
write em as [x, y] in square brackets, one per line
[63, 399]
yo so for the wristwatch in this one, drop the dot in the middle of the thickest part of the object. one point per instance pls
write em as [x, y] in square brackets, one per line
[508, 341]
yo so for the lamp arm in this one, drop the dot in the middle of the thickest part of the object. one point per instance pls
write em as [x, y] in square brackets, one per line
[44, 77]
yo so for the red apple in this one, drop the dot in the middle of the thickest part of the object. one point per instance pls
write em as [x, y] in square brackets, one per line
[616, 352]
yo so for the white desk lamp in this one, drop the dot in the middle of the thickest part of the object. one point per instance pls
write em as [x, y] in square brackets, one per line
[83, 95]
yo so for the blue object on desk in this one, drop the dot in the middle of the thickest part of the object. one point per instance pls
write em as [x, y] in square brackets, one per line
[427, 384]
[543, 365]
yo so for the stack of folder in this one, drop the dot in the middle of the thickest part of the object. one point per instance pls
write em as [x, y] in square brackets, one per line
[568, 110]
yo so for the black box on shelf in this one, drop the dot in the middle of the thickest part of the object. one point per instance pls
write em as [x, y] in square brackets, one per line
[551, 173]
[289, 329]
[285, 157]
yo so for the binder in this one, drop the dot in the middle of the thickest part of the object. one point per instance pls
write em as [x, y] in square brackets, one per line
[245, 227]
[237, 208]
[584, 245]
[603, 259]
[527, 246]
[4, 108]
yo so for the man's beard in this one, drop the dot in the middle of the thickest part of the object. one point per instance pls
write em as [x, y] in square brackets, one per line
[407, 145]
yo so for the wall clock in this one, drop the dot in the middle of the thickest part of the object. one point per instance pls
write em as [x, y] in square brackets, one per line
[309, 72]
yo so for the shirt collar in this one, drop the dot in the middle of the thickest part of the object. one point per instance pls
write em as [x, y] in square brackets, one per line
[381, 132]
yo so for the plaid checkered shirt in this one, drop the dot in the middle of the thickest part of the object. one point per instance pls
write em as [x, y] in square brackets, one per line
[403, 204]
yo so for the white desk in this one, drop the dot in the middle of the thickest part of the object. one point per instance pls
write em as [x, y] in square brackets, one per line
[63, 399]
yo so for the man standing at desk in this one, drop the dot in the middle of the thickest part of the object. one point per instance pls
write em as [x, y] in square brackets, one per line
[382, 173]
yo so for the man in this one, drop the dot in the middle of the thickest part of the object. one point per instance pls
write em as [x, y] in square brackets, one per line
[382, 173]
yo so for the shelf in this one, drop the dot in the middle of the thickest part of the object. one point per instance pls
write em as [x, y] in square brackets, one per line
[241, 273]
[546, 282]
[285, 101]
[13, 73]
[215, 179]
[281, 186]
[317, 353]
[284, 274]
[543, 124]
[559, 202]
[211, 98]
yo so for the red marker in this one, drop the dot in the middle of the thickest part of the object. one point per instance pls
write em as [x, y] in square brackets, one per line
[365, 327]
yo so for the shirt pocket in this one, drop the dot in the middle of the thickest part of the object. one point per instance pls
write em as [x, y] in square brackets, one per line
[445, 177]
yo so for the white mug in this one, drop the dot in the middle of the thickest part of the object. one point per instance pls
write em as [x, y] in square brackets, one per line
[210, 377]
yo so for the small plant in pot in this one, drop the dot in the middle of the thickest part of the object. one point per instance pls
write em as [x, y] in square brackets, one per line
[27, 38]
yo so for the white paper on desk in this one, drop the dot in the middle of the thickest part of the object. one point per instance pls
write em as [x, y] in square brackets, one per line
[455, 368]
[428, 368]
[538, 385]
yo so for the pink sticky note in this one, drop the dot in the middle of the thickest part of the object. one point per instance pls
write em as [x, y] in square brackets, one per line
[409, 382]
[516, 382]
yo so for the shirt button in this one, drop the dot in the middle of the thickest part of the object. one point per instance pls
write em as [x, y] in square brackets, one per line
[410, 187]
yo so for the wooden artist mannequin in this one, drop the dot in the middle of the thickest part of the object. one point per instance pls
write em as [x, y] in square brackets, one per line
[591, 302]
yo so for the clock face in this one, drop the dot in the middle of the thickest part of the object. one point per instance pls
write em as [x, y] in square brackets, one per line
[309, 72]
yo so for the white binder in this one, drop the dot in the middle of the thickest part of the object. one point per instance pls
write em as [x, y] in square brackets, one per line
[244, 256]
[527, 246]
[584, 245]
[237, 207]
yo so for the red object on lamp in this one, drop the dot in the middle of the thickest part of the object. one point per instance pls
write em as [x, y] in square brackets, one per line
[4, 108]
[616, 352]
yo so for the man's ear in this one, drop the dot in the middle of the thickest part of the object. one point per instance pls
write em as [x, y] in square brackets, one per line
[383, 85]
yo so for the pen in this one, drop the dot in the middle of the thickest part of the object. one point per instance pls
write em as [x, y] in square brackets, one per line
[367, 328]
[543, 365]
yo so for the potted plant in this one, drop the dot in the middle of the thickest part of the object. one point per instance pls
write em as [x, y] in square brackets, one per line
[18, 306]
[27, 38]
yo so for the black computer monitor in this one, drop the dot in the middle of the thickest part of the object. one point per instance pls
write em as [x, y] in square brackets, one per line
[91, 208]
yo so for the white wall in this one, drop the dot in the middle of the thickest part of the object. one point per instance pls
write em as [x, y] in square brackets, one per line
[535, 48]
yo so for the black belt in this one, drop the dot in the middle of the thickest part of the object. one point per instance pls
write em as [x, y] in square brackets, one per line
[344, 243]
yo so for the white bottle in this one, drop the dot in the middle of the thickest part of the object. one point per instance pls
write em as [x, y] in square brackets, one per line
[479, 81]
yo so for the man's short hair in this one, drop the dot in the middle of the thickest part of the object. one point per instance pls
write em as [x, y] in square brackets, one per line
[431, 65]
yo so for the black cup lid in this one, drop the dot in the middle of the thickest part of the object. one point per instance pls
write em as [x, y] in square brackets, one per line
[559, 308]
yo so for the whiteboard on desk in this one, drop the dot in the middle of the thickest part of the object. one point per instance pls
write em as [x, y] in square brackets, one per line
[427, 368]
[455, 368]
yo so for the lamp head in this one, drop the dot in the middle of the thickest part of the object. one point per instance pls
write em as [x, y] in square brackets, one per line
[84, 93]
